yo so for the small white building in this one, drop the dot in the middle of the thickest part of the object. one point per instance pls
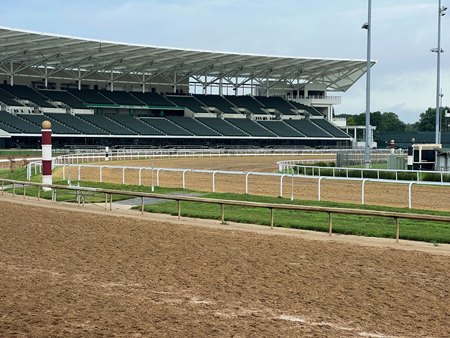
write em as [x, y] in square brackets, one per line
[442, 159]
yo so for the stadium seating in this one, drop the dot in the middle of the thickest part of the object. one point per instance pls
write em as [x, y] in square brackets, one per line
[221, 126]
[247, 102]
[8, 128]
[76, 123]
[308, 128]
[107, 124]
[330, 128]
[251, 127]
[16, 122]
[64, 97]
[122, 98]
[90, 96]
[135, 124]
[193, 126]
[57, 127]
[153, 99]
[281, 129]
[278, 103]
[8, 99]
[189, 102]
[166, 126]
[26, 93]
[311, 110]
[216, 101]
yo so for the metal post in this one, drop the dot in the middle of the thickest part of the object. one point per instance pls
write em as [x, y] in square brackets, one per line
[368, 26]
[142, 205]
[410, 195]
[438, 50]
[223, 215]
[271, 218]
[179, 209]
[397, 229]
[330, 223]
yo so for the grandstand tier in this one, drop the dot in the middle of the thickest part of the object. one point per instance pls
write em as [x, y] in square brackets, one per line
[91, 97]
[278, 103]
[16, 122]
[76, 123]
[281, 128]
[218, 102]
[64, 97]
[107, 124]
[330, 128]
[57, 127]
[135, 124]
[222, 126]
[26, 93]
[250, 127]
[121, 98]
[166, 126]
[153, 99]
[193, 126]
[248, 103]
[308, 128]
[188, 102]
[8, 99]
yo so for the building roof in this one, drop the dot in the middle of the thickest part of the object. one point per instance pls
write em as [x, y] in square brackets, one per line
[42, 55]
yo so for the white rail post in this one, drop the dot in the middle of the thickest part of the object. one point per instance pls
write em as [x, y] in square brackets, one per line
[64, 172]
[363, 191]
[79, 174]
[410, 195]
[214, 181]
[140, 177]
[157, 177]
[246, 182]
[184, 178]
[318, 188]
[281, 185]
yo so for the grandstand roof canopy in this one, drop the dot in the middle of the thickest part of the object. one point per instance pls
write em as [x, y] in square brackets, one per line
[55, 56]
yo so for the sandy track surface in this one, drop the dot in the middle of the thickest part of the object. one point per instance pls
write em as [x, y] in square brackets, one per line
[387, 194]
[69, 273]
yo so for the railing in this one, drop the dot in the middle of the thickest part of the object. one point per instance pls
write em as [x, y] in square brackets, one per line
[156, 171]
[379, 174]
[271, 206]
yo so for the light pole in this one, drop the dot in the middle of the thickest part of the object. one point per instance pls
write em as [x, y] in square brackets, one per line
[368, 26]
[438, 51]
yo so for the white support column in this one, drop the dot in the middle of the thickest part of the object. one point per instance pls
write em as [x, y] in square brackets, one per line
[11, 66]
[143, 82]
[174, 82]
[79, 78]
[46, 76]
[267, 86]
[204, 85]
[220, 86]
[112, 81]
[236, 87]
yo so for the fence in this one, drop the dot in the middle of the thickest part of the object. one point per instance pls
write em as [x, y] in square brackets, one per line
[271, 206]
[379, 174]
[155, 173]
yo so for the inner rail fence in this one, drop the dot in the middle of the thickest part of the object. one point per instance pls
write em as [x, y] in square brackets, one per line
[295, 166]
[108, 194]
[74, 173]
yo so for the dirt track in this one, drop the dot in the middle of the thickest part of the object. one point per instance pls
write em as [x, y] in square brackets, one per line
[396, 195]
[83, 274]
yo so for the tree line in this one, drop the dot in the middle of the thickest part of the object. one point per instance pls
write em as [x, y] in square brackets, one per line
[389, 121]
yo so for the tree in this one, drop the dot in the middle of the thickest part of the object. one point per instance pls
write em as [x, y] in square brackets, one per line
[427, 120]
[387, 121]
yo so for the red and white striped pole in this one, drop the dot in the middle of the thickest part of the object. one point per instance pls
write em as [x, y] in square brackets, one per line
[46, 153]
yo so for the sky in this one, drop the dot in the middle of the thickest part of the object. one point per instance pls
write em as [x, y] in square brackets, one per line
[403, 80]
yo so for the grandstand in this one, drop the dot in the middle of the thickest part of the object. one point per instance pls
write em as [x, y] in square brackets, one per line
[107, 93]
